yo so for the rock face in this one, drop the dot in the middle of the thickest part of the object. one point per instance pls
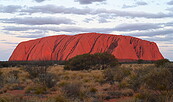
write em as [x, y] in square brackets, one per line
[63, 47]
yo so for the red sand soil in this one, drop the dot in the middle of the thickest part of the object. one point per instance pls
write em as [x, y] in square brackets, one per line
[22, 92]
[118, 100]
[16, 92]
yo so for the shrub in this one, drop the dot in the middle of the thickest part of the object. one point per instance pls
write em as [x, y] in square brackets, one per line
[1, 80]
[36, 89]
[114, 94]
[49, 80]
[108, 75]
[10, 78]
[168, 65]
[79, 62]
[159, 79]
[161, 63]
[91, 61]
[72, 90]
[121, 73]
[104, 60]
[15, 87]
[5, 99]
[14, 73]
[63, 83]
[35, 71]
[60, 98]
[93, 90]
[149, 96]
[116, 74]
[140, 61]
[136, 78]
[127, 92]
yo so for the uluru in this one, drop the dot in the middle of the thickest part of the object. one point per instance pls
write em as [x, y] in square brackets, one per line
[64, 47]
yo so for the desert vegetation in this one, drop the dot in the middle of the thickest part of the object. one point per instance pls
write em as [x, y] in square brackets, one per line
[103, 80]
[91, 62]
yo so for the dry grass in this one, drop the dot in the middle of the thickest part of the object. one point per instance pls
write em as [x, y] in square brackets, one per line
[92, 83]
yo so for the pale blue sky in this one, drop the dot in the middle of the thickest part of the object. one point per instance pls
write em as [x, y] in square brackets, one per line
[22, 20]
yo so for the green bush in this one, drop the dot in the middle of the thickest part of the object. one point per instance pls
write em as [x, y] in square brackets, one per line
[161, 63]
[49, 79]
[72, 89]
[36, 89]
[108, 75]
[5, 99]
[35, 71]
[136, 78]
[80, 62]
[12, 77]
[104, 60]
[149, 96]
[59, 99]
[140, 61]
[159, 79]
[93, 90]
[168, 65]
[1, 80]
[91, 61]
[116, 74]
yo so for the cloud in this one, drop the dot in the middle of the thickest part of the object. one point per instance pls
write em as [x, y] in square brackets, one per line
[38, 20]
[3, 40]
[121, 27]
[103, 20]
[88, 1]
[169, 43]
[137, 26]
[152, 33]
[87, 20]
[71, 29]
[10, 8]
[128, 6]
[170, 9]
[39, 0]
[170, 2]
[85, 11]
[52, 9]
[155, 38]
[31, 36]
[168, 24]
[139, 3]
[9, 42]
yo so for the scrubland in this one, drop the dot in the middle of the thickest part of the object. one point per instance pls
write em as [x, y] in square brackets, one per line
[122, 83]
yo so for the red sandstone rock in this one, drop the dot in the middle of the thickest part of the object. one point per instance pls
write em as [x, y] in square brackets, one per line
[63, 47]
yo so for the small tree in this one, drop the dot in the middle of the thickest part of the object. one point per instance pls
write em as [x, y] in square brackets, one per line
[116, 74]
[79, 62]
[159, 79]
[108, 75]
[91, 61]
[72, 90]
[104, 60]
[49, 79]
[1, 79]
[161, 63]
[35, 71]
[136, 78]
[140, 61]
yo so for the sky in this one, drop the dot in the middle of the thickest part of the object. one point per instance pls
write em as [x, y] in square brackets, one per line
[22, 20]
